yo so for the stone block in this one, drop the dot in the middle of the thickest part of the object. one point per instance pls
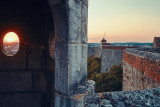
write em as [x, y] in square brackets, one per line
[64, 101]
[70, 67]
[16, 62]
[71, 22]
[75, 21]
[77, 65]
[21, 100]
[39, 82]
[61, 67]
[115, 58]
[15, 81]
[34, 57]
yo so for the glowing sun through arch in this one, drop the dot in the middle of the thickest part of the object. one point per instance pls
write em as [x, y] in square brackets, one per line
[11, 37]
[10, 44]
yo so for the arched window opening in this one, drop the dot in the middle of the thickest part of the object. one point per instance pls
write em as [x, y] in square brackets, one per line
[10, 44]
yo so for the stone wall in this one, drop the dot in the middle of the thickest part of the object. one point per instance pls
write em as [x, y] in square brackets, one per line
[70, 20]
[140, 69]
[138, 98]
[156, 42]
[25, 80]
[110, 57]
[95, 51]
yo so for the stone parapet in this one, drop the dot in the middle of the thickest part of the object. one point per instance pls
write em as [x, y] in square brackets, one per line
[146, 62]
[138, 98]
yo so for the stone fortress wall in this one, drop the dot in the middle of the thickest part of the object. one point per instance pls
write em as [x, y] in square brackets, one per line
[140, 82]
[95, 51]
[111, 55]
[141, 69]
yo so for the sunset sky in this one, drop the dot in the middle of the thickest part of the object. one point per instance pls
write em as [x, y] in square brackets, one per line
[123, 20]
[11, 37]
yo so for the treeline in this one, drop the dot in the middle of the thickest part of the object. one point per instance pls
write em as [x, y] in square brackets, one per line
[105, 82]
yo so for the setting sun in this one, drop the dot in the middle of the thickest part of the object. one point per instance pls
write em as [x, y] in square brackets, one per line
[11, 37]
[10, 44]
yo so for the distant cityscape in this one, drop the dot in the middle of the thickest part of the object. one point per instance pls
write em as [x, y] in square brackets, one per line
[124, 44]
[11, 48]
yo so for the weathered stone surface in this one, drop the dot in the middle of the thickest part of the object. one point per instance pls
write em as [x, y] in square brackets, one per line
[77, 65]
[134, 79]
[21, 100]
[71, 66]
[15, 81]
[141, 68]
[61, 67]
[65, 101]
[84, 22]
[61, 23]
[109, 58]
[75, 21]
[71, 22]
[95, 51]
[76, 99]
[144, 53]
[139, 98]
[85, 2]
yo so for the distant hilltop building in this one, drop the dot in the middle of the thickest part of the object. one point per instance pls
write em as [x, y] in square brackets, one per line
[104, 43]
[156, 42]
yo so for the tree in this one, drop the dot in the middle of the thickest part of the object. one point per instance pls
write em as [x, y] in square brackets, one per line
[105, 82]
[94, 66]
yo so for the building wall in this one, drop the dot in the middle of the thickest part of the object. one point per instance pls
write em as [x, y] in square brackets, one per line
[95, 51]
[156, 42]
[140, 69]
[110, 57]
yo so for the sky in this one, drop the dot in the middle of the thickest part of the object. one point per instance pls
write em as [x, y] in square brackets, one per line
[123, 20]
[11, 37]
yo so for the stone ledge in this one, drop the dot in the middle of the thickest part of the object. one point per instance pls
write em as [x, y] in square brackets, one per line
[139, 98]
[143, 53]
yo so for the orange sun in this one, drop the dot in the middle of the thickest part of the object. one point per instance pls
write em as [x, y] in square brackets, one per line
[11, 37]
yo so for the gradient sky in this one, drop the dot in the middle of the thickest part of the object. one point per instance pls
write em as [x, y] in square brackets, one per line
[123, 20]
